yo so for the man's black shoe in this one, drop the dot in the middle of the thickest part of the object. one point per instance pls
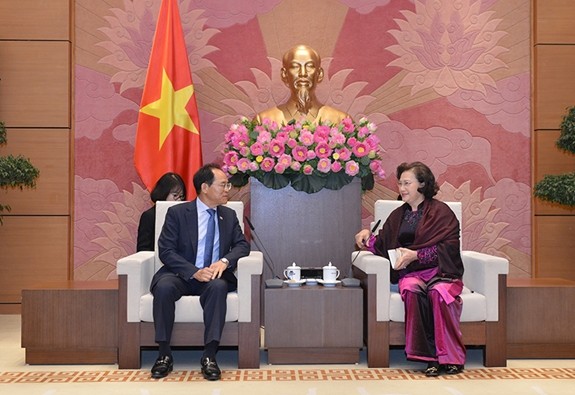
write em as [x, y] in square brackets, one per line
[163, 366]
[210, 369]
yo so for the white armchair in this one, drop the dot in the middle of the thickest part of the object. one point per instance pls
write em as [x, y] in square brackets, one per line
[483, 319]
[136, 326]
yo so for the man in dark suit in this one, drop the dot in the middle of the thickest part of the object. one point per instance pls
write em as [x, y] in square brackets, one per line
[188, 240]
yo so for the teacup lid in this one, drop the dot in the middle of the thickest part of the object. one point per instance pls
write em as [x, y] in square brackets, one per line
[293, 266]
[329, 266]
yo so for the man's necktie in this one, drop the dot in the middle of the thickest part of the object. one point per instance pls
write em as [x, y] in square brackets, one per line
[210, 234]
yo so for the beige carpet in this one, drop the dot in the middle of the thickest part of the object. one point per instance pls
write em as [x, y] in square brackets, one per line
[538, 377]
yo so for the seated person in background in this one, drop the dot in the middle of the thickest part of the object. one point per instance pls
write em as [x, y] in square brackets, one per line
[425, 233]
[200, 245]
[169, 187]
[301, 72]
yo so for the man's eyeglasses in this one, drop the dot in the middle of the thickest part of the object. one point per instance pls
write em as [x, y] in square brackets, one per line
[226, 186]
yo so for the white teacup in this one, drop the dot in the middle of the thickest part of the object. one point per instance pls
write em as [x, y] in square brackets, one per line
[330, 273]
[293, 272]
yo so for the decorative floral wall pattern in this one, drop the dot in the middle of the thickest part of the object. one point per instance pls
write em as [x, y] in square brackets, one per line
[447, 82]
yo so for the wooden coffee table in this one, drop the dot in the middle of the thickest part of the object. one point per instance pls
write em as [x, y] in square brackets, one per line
[313, 324]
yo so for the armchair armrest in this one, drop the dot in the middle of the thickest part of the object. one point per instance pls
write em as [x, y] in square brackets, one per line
[482, 275]
[247, 267]
[139, 269]
[379, 267]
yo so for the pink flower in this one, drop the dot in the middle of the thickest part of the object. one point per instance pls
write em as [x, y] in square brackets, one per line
[278, 168]
[277, 148]
[306, 138]
[299, 153]
[337, 138]
[323, 150]
[257, 149]
[375, 167]
[352, 141]
[321, 134]
[351, 168]
[295, 165]
[311, 154]
[363, 131]
[267, 164]
[344, 154]
[264, 137]
[244, 151]
[254, 166]
[282, 137]
[347, 125]
[285, 160]
[291, 143]
[360, 150]
[307, 169]
[238, 137]
[372, 141]
[243, 165]
[324, 165]
[230, 158]
[336, 167]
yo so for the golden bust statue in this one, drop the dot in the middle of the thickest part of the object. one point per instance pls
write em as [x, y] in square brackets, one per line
[301, 72]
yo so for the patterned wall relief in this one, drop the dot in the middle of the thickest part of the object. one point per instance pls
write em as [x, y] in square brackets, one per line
[446, 82]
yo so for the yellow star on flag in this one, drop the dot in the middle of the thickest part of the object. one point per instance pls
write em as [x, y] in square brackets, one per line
[170, 108]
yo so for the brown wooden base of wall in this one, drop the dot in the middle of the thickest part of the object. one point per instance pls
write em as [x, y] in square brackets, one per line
[540, 321]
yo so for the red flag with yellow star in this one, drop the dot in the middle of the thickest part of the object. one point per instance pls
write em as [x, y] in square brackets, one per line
[168, 133]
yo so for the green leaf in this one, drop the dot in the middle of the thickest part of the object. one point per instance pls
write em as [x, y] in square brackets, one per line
[337, 180]
[367, 182]
[308, 184]
[17, 171]
[2, 133]
[239, 179]
[557, 189]
[273, 180]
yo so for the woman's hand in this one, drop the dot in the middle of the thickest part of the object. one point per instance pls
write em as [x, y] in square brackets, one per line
[362, 237]
[406, 256]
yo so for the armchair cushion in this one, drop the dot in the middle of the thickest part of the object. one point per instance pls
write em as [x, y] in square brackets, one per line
[188, 308]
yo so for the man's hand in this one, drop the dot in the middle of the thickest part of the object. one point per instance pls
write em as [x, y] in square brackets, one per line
[217, 269]
[211, 272]
[203, 275]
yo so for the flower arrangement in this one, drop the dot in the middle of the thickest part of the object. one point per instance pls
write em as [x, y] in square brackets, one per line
[307, 155]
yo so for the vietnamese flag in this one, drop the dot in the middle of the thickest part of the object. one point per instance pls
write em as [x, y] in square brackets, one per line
[168, 133]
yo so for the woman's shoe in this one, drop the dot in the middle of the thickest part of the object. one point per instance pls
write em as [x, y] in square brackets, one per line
[453, 369]
[432, 369]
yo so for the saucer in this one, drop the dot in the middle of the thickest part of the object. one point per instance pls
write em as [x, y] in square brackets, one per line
[311, 281]
[297, 283]
[328, 283]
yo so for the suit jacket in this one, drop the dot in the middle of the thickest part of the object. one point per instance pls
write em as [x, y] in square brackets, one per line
[178, 242]
[146, 230]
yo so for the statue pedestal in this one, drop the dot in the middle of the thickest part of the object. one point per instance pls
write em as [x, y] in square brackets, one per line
[308, 229]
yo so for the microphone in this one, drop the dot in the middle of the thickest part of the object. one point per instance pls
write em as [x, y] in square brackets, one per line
[350, 281]
[275, 282]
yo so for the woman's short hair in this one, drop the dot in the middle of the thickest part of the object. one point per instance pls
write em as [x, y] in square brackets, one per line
[205, 175]
[424, 175]
[169, 182]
